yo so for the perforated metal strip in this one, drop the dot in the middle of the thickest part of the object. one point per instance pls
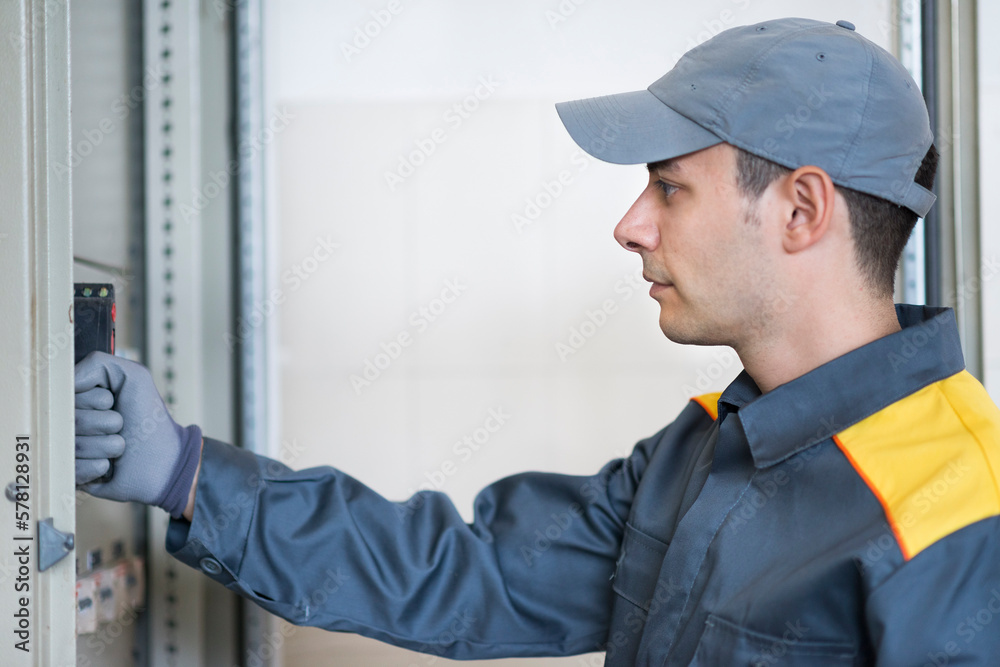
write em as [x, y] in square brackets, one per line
[165, 310]
[251, 279]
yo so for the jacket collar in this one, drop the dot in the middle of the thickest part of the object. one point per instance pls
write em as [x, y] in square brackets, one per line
[828, 399]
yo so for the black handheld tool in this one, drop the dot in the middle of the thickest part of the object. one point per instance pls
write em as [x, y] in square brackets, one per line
[94, 326]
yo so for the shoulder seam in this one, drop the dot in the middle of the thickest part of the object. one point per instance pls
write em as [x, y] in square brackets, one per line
[890, 516]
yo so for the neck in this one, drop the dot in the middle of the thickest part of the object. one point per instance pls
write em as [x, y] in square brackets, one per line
[814, 337]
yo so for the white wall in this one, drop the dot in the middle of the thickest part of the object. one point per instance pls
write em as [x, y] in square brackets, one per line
[349, 121]
[989, 173]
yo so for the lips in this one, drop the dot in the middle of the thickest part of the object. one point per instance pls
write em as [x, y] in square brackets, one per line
[658, 286]
[661, 283]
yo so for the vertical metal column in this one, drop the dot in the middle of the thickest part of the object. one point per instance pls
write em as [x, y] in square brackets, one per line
[223, 619]
[137, 184]
[173, 289]
[251, 266]
[961, 279]
[137, 261]
[36, 364]
[929, 80]
[909, 51]
[250, 226]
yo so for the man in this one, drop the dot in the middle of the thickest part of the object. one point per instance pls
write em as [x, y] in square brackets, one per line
[837, 504]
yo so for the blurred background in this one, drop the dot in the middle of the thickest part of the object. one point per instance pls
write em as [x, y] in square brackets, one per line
[351, 233]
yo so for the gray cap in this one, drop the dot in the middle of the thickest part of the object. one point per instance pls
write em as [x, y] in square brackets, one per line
[794, 91]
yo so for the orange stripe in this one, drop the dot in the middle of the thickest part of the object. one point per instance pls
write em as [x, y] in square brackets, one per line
[885, 506]
[710, 403]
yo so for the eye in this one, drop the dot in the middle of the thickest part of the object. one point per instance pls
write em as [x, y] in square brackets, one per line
[666, 188]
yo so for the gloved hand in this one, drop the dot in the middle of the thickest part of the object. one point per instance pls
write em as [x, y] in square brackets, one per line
[120, 415]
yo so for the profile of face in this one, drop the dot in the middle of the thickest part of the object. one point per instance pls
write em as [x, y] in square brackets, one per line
[702, 244]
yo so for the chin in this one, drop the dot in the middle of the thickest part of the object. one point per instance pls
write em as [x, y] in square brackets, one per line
[689, 333]
[674, 332]
[679, 338]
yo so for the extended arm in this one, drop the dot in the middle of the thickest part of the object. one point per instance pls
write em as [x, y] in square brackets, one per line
[529, 576]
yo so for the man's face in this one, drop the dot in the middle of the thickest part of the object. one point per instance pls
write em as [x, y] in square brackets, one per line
[707, 257]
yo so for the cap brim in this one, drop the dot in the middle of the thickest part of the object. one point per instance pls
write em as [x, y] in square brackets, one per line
[632, 128]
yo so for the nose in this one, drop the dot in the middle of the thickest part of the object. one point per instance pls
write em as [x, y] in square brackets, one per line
[637, 230]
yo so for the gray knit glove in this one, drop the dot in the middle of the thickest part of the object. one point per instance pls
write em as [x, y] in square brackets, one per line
[121, 417]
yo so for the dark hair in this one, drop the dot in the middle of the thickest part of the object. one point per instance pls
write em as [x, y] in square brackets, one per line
[879, 228]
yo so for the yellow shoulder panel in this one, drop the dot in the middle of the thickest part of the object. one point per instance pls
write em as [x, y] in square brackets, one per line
[710, 402]
[932, 459]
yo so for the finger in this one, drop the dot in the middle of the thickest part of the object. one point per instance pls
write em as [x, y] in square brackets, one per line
[97, 398]
[87, 470]
[98, 422]
[98, 369]
[99, 447]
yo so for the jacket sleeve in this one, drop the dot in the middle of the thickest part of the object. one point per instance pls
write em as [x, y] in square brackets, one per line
[528, 577]
[943, 606]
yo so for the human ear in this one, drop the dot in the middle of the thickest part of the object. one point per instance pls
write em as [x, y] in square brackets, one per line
[810, 194]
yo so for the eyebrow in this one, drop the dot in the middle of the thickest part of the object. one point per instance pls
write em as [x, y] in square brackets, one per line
[669, 165]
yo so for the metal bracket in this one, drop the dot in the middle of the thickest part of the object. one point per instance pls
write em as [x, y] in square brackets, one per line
[53, 544]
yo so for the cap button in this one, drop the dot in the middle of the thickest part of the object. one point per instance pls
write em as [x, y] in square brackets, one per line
[846, 24]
